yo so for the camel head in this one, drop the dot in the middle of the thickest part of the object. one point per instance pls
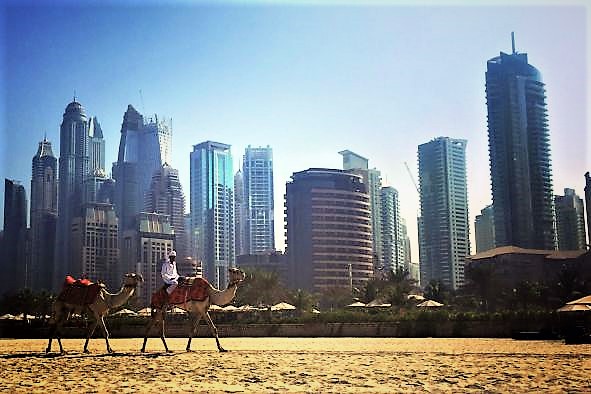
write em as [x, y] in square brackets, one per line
[132, 280]
[236, 276]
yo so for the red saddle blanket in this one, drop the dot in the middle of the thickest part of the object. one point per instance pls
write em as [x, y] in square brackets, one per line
[192, 289]
[79, 292]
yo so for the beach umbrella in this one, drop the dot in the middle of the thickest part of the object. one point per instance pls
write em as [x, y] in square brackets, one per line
[429, 304]
[125, 312]
[283, 306]
[315, 311]
[378, 304]
[147, 311]
[356, 305]
[416, 297]
[230, 308]
[585, 301]
[7, 316]
[575, 308]
[215, 308]
[178, 311]
[246, 308]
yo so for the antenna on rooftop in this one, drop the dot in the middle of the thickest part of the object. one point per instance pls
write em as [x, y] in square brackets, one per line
[513, 42]
[74, 95]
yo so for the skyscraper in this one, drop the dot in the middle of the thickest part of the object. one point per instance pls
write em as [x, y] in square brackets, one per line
[43, 216]
[393, 241]
[328, 230]
[258, 198]
[13, 271]
[484, 229]
[358, 164]
[143, 149]
[73, 169]
[444, 211]
[570, 221]
[146, 247]
[165, 196]
[519, 148]
[96, 142]
[239, 214]
[212, 209]
[588, 204]
[95, 247]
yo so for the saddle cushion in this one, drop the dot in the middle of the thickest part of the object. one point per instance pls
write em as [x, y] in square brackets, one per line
[79, 292]
[192, 289]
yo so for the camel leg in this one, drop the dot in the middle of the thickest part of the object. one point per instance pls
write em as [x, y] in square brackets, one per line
[194, 328]
[89, 335]
[148, 328]
[162, 332]
[104, 327]
[214, 331]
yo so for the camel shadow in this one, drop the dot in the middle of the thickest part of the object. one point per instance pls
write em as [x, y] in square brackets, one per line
[85, 355]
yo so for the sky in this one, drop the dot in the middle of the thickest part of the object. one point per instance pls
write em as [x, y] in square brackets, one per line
[308, 79]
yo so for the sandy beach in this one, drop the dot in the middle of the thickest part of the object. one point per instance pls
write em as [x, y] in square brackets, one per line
[299, 365]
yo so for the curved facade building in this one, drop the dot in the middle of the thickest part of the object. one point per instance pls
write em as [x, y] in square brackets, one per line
[73, 168]
[329, 240]
[43, 216]
[519, 146]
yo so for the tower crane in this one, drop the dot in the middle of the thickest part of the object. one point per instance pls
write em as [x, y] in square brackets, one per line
[412, 178]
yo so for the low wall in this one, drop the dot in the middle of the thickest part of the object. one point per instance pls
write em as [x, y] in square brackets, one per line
[403, 329]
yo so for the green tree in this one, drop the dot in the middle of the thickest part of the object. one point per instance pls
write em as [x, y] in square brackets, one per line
[261, 287]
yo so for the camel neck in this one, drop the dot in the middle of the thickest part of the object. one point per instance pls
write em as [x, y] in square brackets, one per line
[223, 297]
[121, 297]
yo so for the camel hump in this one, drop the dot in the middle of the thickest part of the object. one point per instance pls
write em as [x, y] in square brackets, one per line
[78, 293]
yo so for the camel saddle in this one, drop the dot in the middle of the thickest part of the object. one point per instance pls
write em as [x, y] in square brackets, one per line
[79, 292]
[191, 289]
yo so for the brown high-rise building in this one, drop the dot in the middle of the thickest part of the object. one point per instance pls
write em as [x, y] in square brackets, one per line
[329, 242]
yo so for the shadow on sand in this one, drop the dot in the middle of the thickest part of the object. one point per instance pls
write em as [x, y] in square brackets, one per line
[86, 355]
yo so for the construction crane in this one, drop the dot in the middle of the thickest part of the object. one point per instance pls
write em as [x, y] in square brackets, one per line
[412, 178]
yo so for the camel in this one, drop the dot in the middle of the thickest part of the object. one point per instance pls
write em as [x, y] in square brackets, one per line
[198, 310]
[104, 302]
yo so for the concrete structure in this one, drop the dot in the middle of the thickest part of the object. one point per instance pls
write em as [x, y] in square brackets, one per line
[165, 196]
[73, 170]
[372, 178]
[13, 267]
[239, 214]
[393, 240]
[146, 247]
[588, 204]
[570, 221]
[272, 262]
[484, 229]
[94, 245]
[212, 210]
[444, 211]
[259, 207]
[519, 148]
[329, 242]
[43, 216]
[509, 265]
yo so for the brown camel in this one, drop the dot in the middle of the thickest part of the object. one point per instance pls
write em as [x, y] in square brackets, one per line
[104, 302]
[198, 310]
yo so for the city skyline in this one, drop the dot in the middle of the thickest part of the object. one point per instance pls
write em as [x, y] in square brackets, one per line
[341, 73]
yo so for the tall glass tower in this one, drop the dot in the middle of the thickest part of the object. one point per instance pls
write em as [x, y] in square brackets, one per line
[13, 269]
[73, 169]
[43, 216]
[393, 239]
[258, 200]
[212, 209]
[519, 148]
[444, 211]
[143, 149]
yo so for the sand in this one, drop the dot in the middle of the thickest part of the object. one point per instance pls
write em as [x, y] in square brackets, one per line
[299, 365]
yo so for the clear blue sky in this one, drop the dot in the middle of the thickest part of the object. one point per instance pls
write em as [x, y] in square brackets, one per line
[307, 80]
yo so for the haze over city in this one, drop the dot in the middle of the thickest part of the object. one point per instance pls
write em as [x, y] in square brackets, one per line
[308, 80]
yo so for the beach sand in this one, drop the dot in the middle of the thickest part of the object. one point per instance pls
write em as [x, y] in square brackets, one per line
[298, 365]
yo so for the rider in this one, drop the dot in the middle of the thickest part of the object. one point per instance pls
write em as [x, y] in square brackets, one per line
[170, 276]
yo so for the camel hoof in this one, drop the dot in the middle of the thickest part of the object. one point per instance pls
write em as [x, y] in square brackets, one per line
[223, 350]
[189, 350]
[143, 350]
[168, 351]
[86, 351]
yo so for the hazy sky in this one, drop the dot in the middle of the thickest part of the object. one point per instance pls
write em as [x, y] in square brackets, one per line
[308, 80]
